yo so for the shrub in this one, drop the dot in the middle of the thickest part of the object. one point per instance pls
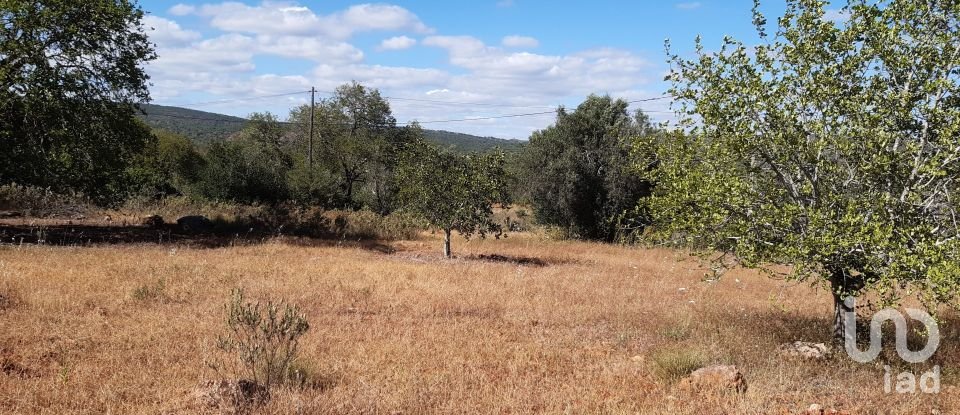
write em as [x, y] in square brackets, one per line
[40, 202]
[174, 207]
[366, 224]
[149, 292]
[264, 337]
[674, 364]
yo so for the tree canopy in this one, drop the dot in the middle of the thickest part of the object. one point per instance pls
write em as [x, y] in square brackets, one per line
[831, 147]
[71, 73]
[577, 173]
[453, 192]
[357, 142]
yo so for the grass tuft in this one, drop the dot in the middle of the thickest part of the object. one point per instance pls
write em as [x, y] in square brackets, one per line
[672, 364]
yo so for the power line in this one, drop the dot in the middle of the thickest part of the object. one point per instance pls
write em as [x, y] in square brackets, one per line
[648, 99]
[251, 98]
[530, 114]
[187, 117]
[433, 101]
[492, 117]
[482, 118]
[430, 101]
[479, 104]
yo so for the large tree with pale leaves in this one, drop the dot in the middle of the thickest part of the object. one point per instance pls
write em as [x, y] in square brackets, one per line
[829, 146]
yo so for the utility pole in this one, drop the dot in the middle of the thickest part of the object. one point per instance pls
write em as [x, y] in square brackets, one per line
[313, 91]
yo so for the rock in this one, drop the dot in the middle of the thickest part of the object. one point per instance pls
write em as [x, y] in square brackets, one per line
[152, 221]
[194, 223]
[10, 214]
[806, 350]
[716, 377]
[231, 395]
[815, 408]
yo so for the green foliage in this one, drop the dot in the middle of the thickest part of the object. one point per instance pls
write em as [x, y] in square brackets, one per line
[365, 224]
[451, 191]
[467, 143]
[675, 363]
[203, 128]
[71, 73]
[40, 202]
[200, 127]
[150, 292]
[829, 147]
[170, 165]
[265, 337]
[311, 187]
[577, 174]
[253, 168]
[357, 141]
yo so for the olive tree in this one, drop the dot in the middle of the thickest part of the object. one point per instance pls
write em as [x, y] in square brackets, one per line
[830, 147]
[452, 191]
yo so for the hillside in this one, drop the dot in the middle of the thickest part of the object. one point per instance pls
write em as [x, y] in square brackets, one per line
[205, 127]
[470, 143]
[200, 126]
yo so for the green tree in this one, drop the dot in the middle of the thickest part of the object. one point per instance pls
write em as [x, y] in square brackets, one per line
[252, 168]
[356, 139]
[577, 173]
[452, 191]
[829, 147]
[71, 74]
[170, 164]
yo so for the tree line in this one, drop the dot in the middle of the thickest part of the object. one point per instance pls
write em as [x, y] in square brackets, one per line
[830, 147]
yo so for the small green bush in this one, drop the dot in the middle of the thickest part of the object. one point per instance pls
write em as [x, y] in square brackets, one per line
[264, 338]
[673, 364]
[150, 292]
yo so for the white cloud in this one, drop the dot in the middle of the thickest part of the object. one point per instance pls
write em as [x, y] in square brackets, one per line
[182, 9]
[167, 32]
[377, 76]
[836, 15]
[227, 53]
[397, 43]
[315, 49]
[545, 77]
[365, 17]
[515, 41]
[498, 78]
[457, 45]
[689, 6]
[270, 18]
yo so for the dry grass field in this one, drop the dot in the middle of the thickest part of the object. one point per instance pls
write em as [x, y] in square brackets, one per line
[546, 327]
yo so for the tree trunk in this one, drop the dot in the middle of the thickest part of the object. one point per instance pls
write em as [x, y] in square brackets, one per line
[839, 287]
[446, 243]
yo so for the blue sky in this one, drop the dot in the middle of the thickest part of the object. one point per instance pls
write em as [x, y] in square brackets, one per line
[506, 57]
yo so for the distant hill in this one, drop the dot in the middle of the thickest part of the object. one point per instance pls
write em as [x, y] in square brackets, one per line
[470, 143]
[205, 127]
[199, 126]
